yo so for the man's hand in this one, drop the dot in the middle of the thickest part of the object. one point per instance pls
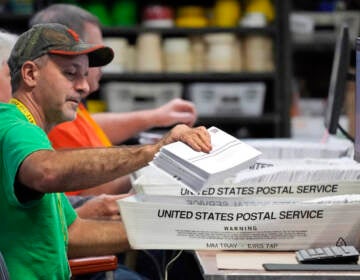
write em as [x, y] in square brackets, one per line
[103, 207]
[174, 112]
[197, 138]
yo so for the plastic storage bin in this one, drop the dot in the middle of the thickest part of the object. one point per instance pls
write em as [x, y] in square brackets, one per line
[228, 99]
[126, 97]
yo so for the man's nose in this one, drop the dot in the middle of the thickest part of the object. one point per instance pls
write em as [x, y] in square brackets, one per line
[82, 86]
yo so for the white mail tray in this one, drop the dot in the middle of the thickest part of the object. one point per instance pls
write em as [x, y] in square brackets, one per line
[199, 223]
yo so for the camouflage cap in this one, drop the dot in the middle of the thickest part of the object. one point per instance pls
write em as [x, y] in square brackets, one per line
[54, 38]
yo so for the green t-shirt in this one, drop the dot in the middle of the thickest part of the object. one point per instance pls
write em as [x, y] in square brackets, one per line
[33, 236]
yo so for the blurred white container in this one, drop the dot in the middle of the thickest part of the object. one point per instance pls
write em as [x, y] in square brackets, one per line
[228, 99]
[126, 97]
[120, 46]
[149, 53]
[253, 19]
[177, 55]
[258, 53]
[220, 51]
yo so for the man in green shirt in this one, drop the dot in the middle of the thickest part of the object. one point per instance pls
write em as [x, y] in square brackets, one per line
[39, 229]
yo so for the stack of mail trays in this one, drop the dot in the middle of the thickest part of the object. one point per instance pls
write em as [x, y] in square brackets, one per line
[285, 201]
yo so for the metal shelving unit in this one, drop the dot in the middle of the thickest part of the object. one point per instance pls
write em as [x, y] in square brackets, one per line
[275, 121]
[132, 31]
[190, 77]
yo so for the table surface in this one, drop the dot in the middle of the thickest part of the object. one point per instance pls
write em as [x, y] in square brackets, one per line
[248, 265]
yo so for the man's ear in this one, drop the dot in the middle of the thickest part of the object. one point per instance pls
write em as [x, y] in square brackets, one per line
[29, 71]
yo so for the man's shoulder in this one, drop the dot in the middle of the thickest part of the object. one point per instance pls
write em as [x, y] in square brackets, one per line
[7, 106]
[9, 112]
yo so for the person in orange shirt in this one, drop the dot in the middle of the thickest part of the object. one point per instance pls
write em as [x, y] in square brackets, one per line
[105, 129]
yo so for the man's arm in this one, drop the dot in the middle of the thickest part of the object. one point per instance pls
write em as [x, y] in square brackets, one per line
[102, 207]
[121, 126]
[67, 170]
[117, 186]
[78, 200]
[96, 238]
